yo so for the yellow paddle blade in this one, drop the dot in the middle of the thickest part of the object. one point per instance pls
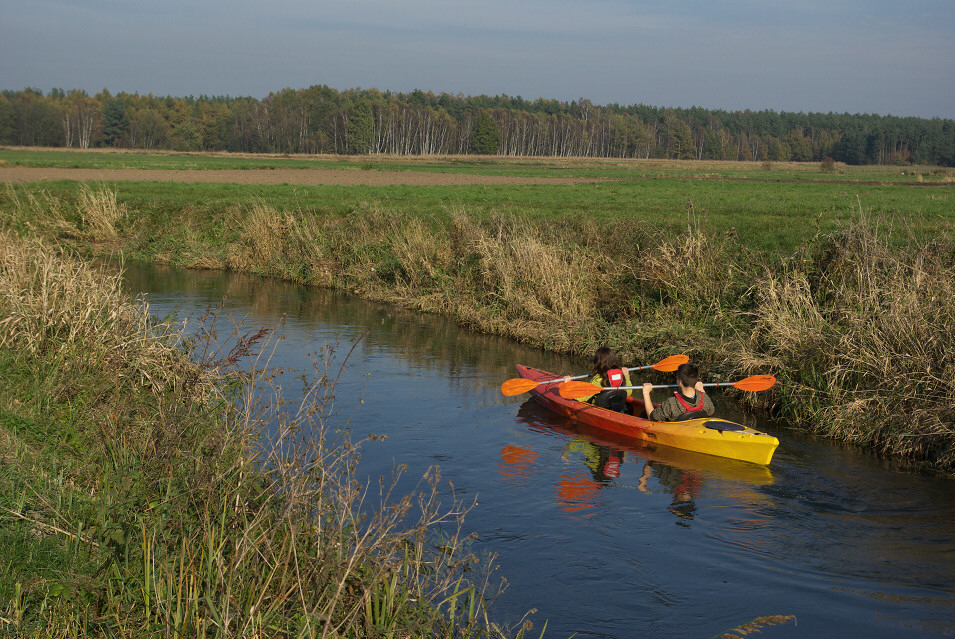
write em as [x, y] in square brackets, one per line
[671, 363]
[755, 383]
[576, 390]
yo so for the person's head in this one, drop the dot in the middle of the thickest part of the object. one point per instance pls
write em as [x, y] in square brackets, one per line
[605, 359]
[687, 375]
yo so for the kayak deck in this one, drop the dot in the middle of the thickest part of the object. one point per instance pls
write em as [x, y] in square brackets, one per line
[708, 435]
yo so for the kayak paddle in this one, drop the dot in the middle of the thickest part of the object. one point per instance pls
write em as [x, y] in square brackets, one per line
[667, 365]
[576, 390]
[520, 385]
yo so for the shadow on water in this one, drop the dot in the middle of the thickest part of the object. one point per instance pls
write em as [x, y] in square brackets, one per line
[607, 537]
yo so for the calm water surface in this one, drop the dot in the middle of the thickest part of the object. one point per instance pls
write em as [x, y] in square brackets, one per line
[602, 537]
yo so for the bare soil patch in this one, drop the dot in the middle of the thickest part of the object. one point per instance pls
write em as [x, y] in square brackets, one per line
[305, 177]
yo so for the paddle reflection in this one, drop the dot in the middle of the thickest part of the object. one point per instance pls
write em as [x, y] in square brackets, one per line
[577, 490]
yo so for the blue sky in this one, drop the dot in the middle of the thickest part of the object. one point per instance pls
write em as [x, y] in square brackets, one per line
[851, 56]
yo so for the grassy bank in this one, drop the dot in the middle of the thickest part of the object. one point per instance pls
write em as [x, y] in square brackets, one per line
[844, 292]
[138, 499]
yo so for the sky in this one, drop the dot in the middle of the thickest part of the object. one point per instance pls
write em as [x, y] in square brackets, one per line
[854, 56]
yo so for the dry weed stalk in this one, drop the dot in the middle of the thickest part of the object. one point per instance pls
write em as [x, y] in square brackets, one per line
[293, 540]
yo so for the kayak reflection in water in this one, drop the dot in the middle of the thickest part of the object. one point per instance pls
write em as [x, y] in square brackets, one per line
[604, 462]
[681, 483]
[578, 491]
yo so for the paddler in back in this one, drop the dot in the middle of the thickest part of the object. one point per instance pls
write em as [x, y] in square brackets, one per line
[689, 402]
[607, 371]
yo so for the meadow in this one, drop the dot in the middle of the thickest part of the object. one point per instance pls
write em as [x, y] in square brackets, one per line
[773, 207]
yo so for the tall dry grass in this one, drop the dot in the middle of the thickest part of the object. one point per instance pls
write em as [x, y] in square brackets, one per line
[100, 213]
[55, 308]
[94, 217]
[501, 274]
[215, 507]
[684, 292]
[859, 332]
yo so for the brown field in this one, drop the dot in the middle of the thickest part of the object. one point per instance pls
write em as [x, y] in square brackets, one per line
[304, 177]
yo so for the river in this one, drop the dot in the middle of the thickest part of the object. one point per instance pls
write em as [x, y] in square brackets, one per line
[605, 538]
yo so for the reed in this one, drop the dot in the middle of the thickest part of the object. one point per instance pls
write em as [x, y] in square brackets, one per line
[859, 333]
[101, 212]
[187, 498]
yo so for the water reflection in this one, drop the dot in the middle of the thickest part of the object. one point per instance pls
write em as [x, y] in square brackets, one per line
[424, 344]
[680, 474]
[682, 484]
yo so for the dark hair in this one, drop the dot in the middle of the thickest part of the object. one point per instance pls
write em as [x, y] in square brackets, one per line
[688, 374]
[604, 360]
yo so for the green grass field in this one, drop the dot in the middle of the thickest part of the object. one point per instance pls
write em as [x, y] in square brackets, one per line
[772, 209]
[481, 165]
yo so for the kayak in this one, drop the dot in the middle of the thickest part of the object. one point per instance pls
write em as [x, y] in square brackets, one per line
[708, 435]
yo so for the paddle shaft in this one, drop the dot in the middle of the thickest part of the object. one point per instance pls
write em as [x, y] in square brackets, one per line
[711, 384]
[573, 390]
[520, 385]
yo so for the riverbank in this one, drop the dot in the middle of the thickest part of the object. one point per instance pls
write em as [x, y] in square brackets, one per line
[852, 321]
[138, 497]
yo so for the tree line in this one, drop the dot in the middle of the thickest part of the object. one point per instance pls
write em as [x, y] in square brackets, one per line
[320, 119]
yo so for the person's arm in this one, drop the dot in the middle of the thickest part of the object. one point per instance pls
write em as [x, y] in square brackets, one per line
[626, 381]
[647, 404]
[707, 404]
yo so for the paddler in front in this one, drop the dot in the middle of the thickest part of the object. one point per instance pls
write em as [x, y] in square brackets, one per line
[689, 402]
[608, 371]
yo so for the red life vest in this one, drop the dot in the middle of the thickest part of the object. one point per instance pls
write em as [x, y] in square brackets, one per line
[699, 401]
[615, 377]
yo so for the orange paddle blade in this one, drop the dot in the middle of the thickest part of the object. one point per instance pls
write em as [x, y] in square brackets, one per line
[755, 383]
[520, 385]
[576, 390]
[671, 363]
[517, 386]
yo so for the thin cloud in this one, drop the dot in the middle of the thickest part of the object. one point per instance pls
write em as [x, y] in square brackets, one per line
[848, 55]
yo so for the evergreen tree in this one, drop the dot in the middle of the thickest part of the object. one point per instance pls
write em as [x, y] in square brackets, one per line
[115, 122]
[679, 138]
[852, 147]
[7, 129]
[485, 137]
[361, 130]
